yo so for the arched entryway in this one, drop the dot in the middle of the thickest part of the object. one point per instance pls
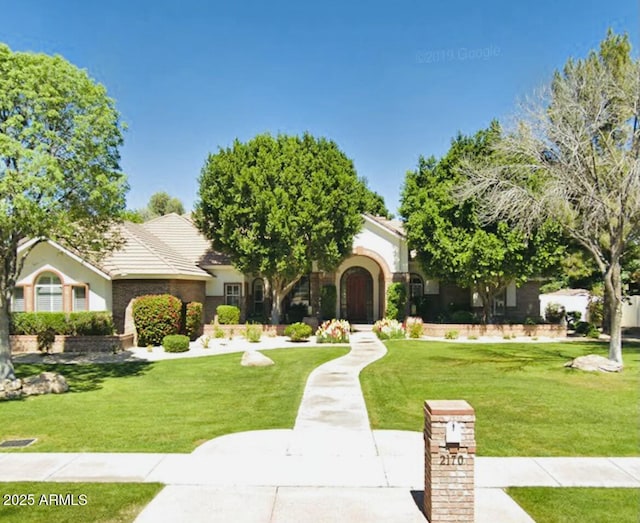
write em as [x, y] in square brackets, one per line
[356, 295]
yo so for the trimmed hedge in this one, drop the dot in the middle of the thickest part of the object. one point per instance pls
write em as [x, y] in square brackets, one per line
[228, 314]
[193, 319]
[91, 323]
[175, 343]
[156, 316]
[88, 323]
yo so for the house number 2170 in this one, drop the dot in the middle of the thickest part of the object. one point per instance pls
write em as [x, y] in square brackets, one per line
[451, 460]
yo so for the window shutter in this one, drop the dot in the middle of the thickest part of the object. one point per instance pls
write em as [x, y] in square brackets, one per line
[511, 294]
[79, 299]
[18, 299]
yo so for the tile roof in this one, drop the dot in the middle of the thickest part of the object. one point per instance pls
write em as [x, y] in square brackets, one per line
[395, 226]
[182, 235]
[569, 292]
[146, 253]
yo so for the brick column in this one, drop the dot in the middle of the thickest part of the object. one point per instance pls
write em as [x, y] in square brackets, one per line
[450, 448]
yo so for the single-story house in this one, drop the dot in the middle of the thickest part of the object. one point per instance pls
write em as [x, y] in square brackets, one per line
[169, 255]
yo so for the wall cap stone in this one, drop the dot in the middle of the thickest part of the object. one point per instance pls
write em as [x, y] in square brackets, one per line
[449, 408]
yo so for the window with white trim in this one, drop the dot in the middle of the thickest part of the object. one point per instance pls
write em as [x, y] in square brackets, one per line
[17, 304]
[48, 293]
[232, 293]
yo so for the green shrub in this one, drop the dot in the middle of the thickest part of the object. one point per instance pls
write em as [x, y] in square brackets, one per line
[253, 333]
[228, 314]
[46, 337]
[90, 323]
[396, 301]
[414, 327]
[156, 316]
[175, 343]
[23, 323]
[33, 323]
[298, 331]
[554, 313]
[582, 327]
[296, 312]
[451, 335]
[593, 332]
[193, 319]
[573, 317]
[596, 310]
[218, 332]
[328, 302]
[462, 317]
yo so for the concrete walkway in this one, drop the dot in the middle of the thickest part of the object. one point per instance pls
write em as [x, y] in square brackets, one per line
[329, 468]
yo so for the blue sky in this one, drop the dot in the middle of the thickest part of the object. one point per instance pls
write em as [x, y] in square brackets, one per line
[388, 81]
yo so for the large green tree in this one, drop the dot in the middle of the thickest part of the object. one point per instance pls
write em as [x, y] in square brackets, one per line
[160, 203]
[451, 242]
[277, 205]
[577, 155]
[59, 165]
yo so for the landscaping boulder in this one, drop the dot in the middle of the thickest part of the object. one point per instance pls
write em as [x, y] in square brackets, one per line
[594, 362]
[45, 383]
[10, 389]
[252, 358]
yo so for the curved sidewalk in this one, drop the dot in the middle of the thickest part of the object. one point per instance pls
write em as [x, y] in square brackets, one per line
[330, 467]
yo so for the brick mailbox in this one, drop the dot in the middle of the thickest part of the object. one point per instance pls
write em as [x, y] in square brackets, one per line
[450, 448]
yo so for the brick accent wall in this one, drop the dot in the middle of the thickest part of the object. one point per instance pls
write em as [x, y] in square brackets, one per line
[125, 291]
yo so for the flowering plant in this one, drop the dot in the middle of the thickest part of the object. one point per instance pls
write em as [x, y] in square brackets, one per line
[387, 329]
[333, 331]
[414, 327]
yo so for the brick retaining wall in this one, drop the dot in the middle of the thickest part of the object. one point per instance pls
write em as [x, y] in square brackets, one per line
[74, 344]
[438, 330]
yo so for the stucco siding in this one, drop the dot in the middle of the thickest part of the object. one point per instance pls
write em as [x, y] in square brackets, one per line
[46, 258]
[215, 286]
[389, 246]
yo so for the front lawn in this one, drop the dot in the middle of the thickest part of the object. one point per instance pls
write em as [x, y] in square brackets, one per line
[167, 406]
[24, 502]
[579, 505]
[526, 402]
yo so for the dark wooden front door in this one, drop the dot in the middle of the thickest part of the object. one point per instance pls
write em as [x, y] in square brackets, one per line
[357, 285]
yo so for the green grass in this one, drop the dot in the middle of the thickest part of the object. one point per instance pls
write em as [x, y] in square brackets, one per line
[104, 502]
[167, 406]
[526, 402]
[579, 505]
